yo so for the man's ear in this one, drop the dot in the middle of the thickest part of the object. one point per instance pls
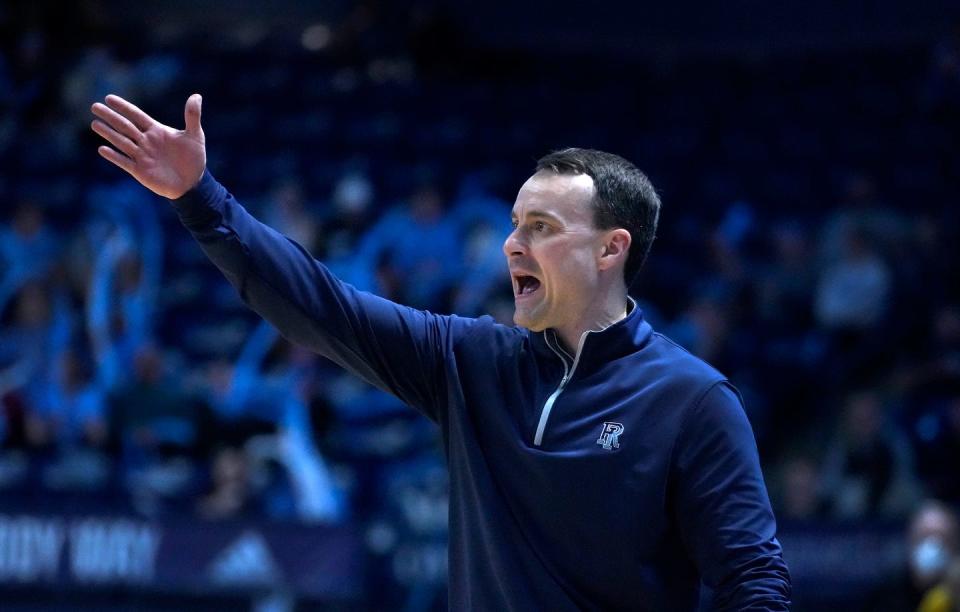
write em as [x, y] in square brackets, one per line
[615, 248]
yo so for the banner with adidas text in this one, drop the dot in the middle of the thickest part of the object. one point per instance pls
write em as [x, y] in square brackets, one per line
[89, 551]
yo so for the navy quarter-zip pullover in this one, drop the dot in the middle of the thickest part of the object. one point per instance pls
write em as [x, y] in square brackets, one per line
[616, 478]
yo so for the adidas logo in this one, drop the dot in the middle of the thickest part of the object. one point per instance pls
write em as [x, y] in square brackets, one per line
[246, 561]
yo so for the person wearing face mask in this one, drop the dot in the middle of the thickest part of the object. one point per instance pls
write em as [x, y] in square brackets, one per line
[594, 464]
[933, 543]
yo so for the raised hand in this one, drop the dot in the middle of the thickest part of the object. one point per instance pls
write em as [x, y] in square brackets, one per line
[167, 161]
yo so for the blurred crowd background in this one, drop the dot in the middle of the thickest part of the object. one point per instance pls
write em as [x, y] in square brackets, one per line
[809, 248]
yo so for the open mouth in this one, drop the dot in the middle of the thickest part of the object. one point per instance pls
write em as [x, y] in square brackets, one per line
[525, 285]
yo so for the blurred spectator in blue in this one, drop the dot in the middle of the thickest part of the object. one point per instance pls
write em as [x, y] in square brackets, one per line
[868, 470]
[124, 281]
[243, 396]
[28, 248]
[293, 456]
[39, 331]
[729, 244]
[286, 209]
[415, 250]
[72, 419]
[853, 291]
[704, 326]
[862, 212]
[853, 296]
[482, 222]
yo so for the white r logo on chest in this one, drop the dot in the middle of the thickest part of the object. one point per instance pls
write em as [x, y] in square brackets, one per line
[610, 435]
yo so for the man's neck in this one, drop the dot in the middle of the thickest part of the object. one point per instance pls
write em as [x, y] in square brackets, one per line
[611, 311]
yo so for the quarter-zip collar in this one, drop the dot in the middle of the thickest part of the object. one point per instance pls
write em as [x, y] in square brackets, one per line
[597, 348]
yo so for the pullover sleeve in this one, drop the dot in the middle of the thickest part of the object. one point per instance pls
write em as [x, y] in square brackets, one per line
[724, 513]
[395, 348]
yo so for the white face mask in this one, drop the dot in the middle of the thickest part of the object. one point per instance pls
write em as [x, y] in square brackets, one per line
[929, 558]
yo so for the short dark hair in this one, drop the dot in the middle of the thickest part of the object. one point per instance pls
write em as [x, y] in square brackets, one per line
[625, 198]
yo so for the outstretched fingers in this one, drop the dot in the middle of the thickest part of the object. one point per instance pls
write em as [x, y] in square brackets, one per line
[114, 157]
[140, 119]
[120, 141]
[118, 122]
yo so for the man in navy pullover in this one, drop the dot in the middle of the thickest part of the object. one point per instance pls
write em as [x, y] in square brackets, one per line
[594, 464]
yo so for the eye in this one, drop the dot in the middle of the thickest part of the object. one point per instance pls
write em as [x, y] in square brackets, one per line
[539, 226]
[513, 223]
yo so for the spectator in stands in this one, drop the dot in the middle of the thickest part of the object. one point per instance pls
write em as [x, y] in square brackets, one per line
[706, 324]
[852, 298]
[394, 246]
[243, 395]
[27, 249]
[867, 469]
[853, 291]
[72, 419]
[288, 211]
[932, 541]
[800, 489]
[482, 220]
[124, 283]
[40, 331]
[862, 213]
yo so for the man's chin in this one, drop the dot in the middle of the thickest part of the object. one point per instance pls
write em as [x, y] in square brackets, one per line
[522, 319]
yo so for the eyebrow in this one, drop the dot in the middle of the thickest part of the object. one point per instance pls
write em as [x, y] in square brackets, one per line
[539, 214]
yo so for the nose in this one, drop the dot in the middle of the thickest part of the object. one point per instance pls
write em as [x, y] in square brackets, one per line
[514, 245]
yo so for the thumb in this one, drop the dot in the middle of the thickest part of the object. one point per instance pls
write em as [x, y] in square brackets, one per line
[191, 114]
